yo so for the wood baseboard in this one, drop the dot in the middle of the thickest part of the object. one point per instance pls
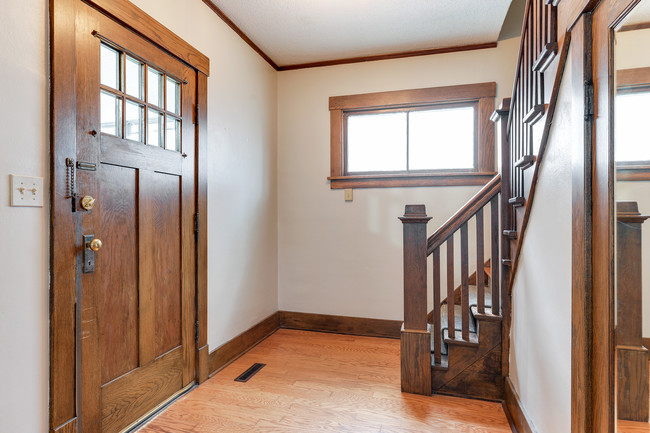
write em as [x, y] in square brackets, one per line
[519, 421]
[236, 347]
[233, 349]
[341, 324]
[646, 343]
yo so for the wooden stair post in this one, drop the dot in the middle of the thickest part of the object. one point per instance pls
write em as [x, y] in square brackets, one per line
[631, 356]
[415, 337]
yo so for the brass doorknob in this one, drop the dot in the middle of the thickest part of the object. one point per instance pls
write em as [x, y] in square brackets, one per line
[87, 202]
[94, 245]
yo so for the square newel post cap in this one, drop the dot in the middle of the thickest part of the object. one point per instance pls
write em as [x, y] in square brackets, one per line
[628, 212]
[415, 214]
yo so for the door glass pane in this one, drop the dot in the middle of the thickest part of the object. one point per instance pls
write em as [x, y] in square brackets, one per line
[376, 142]
[134, 121]
[154, 128]
[111, 114]
[173, 138]
[173, 96]
[441, 139]
[134, 71]
[154, 87]
[110, 67]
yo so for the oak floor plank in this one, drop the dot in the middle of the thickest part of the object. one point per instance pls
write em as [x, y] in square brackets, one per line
[322, 382]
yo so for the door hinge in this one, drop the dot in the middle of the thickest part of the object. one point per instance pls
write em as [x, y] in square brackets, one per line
[196, 332]
[196, 225]
[196, 114]
[589, 100]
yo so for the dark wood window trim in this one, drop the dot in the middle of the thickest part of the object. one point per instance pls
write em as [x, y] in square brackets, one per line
[481, 94]
[633, 81]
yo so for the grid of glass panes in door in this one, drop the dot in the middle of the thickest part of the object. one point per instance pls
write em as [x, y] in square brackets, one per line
[139, 102]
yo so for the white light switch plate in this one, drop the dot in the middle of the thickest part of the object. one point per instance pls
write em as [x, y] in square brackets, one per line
[26, 191]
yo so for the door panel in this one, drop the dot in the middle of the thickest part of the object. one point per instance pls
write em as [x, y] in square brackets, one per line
[138, 307]
[117, 296]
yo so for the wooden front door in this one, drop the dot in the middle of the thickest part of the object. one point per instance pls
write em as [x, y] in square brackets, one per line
[135, 158]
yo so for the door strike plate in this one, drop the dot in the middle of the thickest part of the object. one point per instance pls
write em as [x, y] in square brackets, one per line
[88, 255]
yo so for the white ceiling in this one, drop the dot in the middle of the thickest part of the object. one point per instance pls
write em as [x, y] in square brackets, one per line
[304, 31]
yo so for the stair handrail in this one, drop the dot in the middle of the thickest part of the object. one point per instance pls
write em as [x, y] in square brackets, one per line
[464, 214]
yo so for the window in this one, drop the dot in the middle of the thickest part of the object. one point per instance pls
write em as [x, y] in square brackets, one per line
[151, 116]
[420, 137]
[631, 128]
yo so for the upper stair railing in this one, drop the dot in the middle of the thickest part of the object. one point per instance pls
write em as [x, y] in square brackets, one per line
[537, 50]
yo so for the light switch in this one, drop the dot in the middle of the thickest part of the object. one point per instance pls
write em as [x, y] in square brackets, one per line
[26, 191]
[348, 194]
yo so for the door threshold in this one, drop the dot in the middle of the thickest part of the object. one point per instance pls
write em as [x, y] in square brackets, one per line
[153, 413]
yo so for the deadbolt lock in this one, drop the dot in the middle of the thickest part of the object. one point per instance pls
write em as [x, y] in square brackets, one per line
[87, 202]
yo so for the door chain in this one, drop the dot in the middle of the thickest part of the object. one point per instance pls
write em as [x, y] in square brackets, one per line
[72, 194]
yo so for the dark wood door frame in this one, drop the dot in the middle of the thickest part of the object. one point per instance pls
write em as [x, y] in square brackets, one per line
[607, 16]
[65, 318]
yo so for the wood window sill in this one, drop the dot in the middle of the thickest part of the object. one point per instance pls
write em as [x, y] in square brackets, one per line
[410, 180]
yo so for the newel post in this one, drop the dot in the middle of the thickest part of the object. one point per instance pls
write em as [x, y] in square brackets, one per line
[631, 355]
[415, 337]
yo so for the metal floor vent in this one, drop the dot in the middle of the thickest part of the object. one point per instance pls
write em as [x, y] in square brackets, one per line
[245, 376]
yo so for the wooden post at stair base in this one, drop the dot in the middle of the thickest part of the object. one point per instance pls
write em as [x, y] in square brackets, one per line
[631, 356]
[415, 349]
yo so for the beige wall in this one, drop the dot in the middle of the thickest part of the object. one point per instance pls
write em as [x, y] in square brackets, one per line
[242, 194]
[540, 352]
[24, 241]
[346, 258]
[242, 134]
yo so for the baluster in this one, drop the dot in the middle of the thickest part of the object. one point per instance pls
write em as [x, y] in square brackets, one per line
[451, 323]
[464, 282]
[437, 335]
[495, 258]
[480, 263]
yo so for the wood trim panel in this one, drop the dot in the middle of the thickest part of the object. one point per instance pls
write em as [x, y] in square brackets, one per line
[582, 405]
[430, 95]
[340, 324]
[63, 316]
[236, 347]
[388, 181]
[633, 77]
[202, 238]
[390, 56]
[631, 27]
[514, 410]
[241, 34]
[144, 25]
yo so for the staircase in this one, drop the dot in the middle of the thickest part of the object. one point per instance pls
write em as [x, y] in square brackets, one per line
[461, 346]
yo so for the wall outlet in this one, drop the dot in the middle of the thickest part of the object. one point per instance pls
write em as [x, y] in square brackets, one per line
[26, 191]
[348, 194]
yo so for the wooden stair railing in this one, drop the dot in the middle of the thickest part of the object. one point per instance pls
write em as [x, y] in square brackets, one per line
[418, 366]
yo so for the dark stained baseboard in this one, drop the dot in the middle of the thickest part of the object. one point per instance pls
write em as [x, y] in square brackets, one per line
[233, 349]
[341, 324]
[515, 412]
[236, 347]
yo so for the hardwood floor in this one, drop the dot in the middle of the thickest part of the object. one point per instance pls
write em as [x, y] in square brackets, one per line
[632, 427]
[322, 382]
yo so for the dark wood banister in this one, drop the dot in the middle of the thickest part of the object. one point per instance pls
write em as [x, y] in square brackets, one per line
[480, 199]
